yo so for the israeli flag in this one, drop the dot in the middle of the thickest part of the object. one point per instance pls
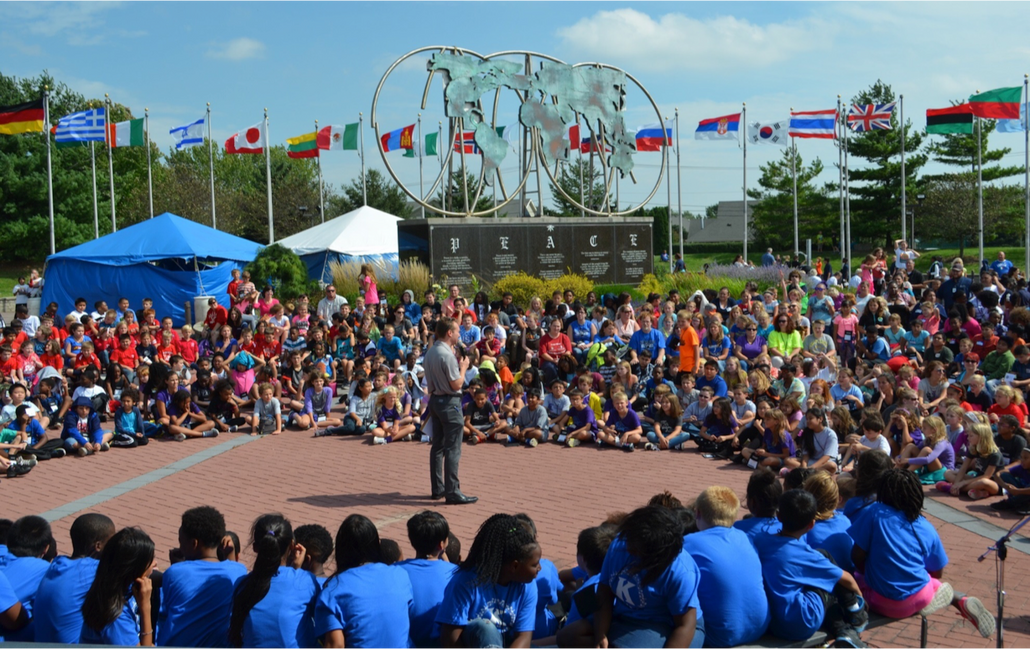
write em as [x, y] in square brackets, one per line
[188, 135]
[1012, 125]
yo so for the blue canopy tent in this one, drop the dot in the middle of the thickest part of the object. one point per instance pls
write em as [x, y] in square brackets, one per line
[167, 258]
[364, 235]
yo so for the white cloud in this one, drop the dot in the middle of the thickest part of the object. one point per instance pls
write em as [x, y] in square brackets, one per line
[238, 49]
[677, 41]
[80, 22]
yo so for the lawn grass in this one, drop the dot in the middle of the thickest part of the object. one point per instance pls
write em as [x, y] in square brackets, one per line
[9, 275]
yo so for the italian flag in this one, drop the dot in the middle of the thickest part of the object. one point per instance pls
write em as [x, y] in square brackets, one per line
[1001, 103]
[128, 133]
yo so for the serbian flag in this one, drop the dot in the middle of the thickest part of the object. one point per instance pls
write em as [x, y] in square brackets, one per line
[651, 137]
[718, 128]
[399, 139]
[466, 141]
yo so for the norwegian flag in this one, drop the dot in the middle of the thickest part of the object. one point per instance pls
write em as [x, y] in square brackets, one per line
[466, 140]
[871, 117]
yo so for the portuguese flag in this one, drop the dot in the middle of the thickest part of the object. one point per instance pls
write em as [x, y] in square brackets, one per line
[125, 134]
[1001, 103]
[22, 118]
[954, 119]
[303, 146]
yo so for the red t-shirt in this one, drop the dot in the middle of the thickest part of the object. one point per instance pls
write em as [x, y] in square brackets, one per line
[1019, 412]
[55, 361]
[557, 346]
[188, 350]
[165, 353]
[125, 357]
[83, 360]
[267, 349]
[216, 316]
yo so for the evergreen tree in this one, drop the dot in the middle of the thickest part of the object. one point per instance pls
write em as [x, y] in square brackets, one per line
[773, 216]
[959, 150]
[383, 194]
[592, 194]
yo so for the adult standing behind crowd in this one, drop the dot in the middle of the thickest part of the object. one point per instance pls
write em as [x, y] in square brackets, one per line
[445, 376]
[330, 304]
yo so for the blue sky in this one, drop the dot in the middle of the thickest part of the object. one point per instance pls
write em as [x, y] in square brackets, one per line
[307, 61]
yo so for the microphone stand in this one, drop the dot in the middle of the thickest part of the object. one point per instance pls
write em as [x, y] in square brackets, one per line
[1001, 548]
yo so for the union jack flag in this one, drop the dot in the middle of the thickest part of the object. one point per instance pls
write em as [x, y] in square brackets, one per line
[871, 117]
[468, 140]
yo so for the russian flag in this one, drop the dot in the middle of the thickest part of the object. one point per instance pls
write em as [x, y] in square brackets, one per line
[399, 139]
[651, 137]
[814, 123]
[718, 128]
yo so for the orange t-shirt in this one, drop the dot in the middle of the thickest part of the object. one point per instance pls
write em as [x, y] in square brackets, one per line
[689, 343]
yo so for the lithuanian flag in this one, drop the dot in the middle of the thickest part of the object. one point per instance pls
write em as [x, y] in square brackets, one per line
[1001, 103]
[303, 146]
[22, 118]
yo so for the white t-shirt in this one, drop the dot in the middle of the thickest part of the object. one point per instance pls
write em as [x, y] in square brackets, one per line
[29, 325]
[880, 443]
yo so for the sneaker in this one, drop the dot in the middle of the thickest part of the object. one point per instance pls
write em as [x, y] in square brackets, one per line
[426, 440]
[974, 611]
[502, 438]
[629, 448]
[859, 618]
[650, 447]
[941, 599]
[233, 429]
[16, 470]
[322, 432]
[378, 440]
[572, 442]
[58, 452]
[848, 637]
[943, 487]
[179, 437]
[1003, 505]
[105, 447]
[978, 494]
[82, 451]
[532, 443]
[28, 460]
[473, 440]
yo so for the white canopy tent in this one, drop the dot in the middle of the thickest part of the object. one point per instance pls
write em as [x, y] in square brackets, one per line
[364, 235]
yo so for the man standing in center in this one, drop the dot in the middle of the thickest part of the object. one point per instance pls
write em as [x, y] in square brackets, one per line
[445, 376]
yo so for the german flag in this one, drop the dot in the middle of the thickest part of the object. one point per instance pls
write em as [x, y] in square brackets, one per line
[22, 118]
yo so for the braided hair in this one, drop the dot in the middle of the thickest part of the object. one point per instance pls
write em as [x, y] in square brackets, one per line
[902, 490]
[271, 538]
[869, 472]
[654, 536]
[501, 539]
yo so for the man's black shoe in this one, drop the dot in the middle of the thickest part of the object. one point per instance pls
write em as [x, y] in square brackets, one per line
[460, 499]
[436, 496]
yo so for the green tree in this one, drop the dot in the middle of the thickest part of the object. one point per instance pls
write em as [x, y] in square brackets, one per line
[590, 193]
[959, 150]
[282, 269]
[383, 194]
[876, 187]
[951, 213]
[456, 199]
[773, 215]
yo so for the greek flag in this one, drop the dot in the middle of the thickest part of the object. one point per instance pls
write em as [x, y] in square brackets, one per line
[84, 126]
[188, 135]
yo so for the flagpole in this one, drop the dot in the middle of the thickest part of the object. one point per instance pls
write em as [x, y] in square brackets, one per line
[150, 172]
[321, 183]
[582, 194]
[743, 119]
[679, 184]
[980, 187]
[110, 159]
[794, 179]
[211, 165]
[901, 122]
[268, 181]
[361, 134]
[840, 123]
[421, 155]
[847, 195]
[49, 168]
[1026, 181]
[96, 215]
[668, 185]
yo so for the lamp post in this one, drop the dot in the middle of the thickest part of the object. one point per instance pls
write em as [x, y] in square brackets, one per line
[919, 201]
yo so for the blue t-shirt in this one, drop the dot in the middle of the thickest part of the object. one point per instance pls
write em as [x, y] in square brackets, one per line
[25, 573]
[919, 342]
[511, 608]
[59, 599]
[123, 631]
[547, 587]
[283, 618]
[574, 614]
[8, 597]
[651, 341]
[429, 580]
[792, 572]
[737, 611]
[901, 553]
[832, 535]
[196, 603]
[580, 332]
[371, 604]
[757, 525]
[671, 594]
[718, 385]
[391, 349]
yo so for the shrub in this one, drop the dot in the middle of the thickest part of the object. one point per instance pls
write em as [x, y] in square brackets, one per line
[523, 287]
[412, 275]
[345, 278]
[579, 284]
[650, 284]
[278, 267]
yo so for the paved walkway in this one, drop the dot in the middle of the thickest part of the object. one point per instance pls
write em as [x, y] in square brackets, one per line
[564, 490]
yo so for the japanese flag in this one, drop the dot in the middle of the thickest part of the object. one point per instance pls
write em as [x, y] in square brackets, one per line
[249, 140]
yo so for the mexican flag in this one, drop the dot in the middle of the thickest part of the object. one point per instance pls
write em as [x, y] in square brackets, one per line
[128, 133]
[417, 151]
[338, 138]
[302, 146]
[1001, 103]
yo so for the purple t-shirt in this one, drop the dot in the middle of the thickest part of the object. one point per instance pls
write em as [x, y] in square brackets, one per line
[622, 424]
[778, 447]
[752, 349]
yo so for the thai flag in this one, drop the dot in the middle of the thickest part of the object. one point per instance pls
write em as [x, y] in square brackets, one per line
[651, 137]
[466, 140]
[814, 124]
